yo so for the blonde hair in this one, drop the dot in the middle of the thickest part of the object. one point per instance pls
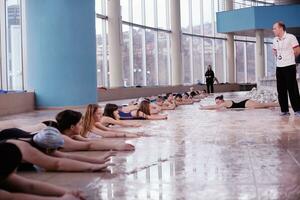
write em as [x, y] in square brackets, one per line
[88, 119]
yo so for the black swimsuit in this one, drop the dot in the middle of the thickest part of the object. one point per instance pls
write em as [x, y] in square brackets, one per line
[18, 134]
[241, 104]
[14, 133]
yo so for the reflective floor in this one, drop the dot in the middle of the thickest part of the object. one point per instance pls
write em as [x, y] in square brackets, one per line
[195, 154]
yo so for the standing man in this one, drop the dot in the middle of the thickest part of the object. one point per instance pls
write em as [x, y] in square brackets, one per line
[210, 78]
[286, 49]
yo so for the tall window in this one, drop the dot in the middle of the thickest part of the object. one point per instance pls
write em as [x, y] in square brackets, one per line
[163, 58]
[207, 17]
[201, 45]
[138, 65]
[197, 60]
[220, 71]
[186, 59]
[208, 52]
[102, 44]
[126, 59]
[11, 45]
[270, 64]
[151, 59]
[146, 42]
[240, 62]
[250, 48]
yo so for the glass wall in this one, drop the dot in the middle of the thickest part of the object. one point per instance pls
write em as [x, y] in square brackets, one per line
[270, 60]
[220, 70]
[11, 56]
[250, 49]
[102, 44]
[240, 62]
[201, 44]
[146, 42]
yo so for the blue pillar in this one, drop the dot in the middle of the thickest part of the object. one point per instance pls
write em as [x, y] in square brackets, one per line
[61, 52]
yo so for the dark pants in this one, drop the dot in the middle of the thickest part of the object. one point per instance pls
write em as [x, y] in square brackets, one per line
[287, 85]
[210, 87]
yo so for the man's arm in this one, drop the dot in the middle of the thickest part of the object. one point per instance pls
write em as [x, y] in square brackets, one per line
[297, 51]
[295, 45]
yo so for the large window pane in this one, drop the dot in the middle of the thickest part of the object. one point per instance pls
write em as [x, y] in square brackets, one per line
[207, 17]
[14, 45]
[208, 52]
[163, 58]
[149, 5]
[196, 19]
[186, 58]
[138, 56]
[151, 74]
[219, 6]
[162, 14]
[184, 13]
[102, 57]
[137, 11]
[197, 60]
[219, 68]
[250, 62]
[271, 65]
[125, 10]
[240, 62]
[126, 56]
[100, 7]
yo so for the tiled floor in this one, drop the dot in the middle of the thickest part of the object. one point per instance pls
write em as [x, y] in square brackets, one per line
[195, 154]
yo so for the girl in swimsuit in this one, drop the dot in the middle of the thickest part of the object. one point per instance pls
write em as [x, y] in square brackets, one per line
[164, 104]
[112, 116]
[144, 112]
[92, 125]
[42, 149]
[221, 103]
[13, 186]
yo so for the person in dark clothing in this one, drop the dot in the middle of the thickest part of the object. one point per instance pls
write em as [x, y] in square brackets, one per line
[286, 49]
[13, 186]
[210, 77]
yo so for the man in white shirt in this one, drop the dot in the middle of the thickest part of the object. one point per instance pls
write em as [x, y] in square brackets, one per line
[286, 49]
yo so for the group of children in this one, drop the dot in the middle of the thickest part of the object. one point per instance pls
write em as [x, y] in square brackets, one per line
[45, 146]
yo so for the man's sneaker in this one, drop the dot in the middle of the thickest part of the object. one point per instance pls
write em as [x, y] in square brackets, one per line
[297, 113]
[286, 114]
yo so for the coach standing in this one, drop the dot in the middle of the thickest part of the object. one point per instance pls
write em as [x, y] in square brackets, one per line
[286, 49]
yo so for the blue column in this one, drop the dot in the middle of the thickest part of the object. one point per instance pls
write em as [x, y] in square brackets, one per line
[61, 52]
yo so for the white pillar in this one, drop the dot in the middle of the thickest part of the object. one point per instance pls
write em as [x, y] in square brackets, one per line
[176, 43]
[230, 49]
[259, 56]
[114, 41]
[230, 58]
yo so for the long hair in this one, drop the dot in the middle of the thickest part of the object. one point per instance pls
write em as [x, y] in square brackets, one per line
[110, 109]
[65, 119]
[144, 107]
[88, 119]
[221, 97]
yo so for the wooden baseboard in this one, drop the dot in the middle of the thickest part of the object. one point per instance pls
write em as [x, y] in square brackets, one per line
[13, 103]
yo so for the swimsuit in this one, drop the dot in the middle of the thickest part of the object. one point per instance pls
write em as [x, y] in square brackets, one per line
[241, 104]
[128, 116]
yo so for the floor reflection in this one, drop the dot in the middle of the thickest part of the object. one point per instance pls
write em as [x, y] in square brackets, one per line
[250, 154]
